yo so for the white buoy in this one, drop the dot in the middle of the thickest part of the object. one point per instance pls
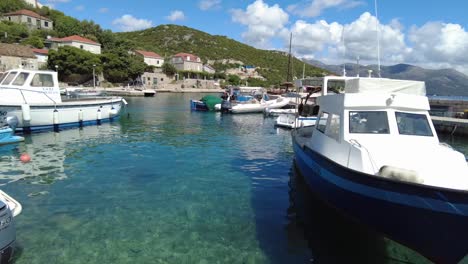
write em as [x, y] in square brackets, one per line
[99, 115]
[80, 116]
[26, 110]
[124, 101]
[56, 117]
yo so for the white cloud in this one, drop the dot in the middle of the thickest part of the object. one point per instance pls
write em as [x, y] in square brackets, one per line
[263, 22]
[103, 10]
[130, 23]
[176, 15]
[52, 3]
[80, 8]
[314, 8]
[209, 4]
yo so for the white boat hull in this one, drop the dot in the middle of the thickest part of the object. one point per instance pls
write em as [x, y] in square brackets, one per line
[65, 114]
[259, 107]
[291, 121]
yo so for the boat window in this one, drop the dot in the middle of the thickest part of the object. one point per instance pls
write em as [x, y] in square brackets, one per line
[413, 124]
[42, 80]
[20, 79]
[9, 78]
[333, 129]
[368, 122]
[322, 123]
[2, 76]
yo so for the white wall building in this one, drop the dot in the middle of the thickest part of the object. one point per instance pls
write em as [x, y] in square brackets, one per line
[151, 58]
[74, 41]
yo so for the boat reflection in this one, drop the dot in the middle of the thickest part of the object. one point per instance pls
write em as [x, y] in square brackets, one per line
[48, 152]
[335, 239]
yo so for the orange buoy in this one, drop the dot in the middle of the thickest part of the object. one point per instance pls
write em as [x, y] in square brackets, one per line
[25, 158]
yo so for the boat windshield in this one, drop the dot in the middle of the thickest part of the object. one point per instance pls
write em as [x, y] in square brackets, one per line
[368, 122]
[9, 78]
[2, 76]
[21, 79]
[413, 124]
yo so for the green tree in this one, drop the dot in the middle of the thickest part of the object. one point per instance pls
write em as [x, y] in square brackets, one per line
[12, 5]
[34, 41]
[169, 69]
[74, 62]
[233, 79]
[12, 33]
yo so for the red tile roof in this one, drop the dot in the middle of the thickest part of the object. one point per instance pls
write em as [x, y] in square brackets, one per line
[185, 55]
[25, 12]
[41, 51]
[148, 54]
[75, 38]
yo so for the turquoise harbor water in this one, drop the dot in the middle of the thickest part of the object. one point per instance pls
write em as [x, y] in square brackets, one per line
[166, 185]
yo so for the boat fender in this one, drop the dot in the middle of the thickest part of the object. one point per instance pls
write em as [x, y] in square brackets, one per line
[400, 174]
[26, 110]
[99, 114]
[12, 122]
[124, 101]
[80, 115]
[113, 112]
[56, 117]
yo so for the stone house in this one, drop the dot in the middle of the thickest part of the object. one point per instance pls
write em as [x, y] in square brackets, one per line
[30, 18]
[151, 58]
[187, 62]
[13, 56]
[74, 41]
[42, 56]
[155, 79]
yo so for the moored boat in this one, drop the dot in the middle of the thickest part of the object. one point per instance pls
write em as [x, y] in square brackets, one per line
[293, 121]
[206, 103]
[33, 99]
[7, 136]
[9, 209]
[374, 155]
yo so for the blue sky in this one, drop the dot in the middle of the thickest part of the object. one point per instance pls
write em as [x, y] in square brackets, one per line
[431, 33]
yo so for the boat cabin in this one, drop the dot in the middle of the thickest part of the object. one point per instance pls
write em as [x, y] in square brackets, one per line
[25, 86]
[375, 124]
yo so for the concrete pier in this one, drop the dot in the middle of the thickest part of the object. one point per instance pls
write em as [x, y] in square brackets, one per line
[449, 125]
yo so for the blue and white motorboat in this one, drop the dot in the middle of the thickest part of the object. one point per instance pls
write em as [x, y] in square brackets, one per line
[33, 98]
[375, 157]
[7, 136]
[9, 209]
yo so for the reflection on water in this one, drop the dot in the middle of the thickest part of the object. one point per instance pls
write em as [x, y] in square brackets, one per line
[333, 238]
[48, 152]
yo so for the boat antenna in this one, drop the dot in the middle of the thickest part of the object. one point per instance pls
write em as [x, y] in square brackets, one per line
[344, 51]
[378, 38]
[358, 66]
[289, 59]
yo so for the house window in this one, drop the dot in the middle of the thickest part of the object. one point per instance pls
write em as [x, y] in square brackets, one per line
[188, 58]
[157, 62]
[29, 20]
[155, 80]
[46, 24]
[322, 123]
[81, 47]
[9, 18]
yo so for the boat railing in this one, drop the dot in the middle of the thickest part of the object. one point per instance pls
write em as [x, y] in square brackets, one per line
[24, 98]
[355, 143]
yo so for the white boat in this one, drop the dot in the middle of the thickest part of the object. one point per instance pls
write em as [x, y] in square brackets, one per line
[33, 99]
[9, 208]
[278, 112]
[256, 106]
[375, 157]
[293, 121]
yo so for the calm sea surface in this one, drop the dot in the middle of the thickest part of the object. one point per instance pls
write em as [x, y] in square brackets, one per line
[166, 185]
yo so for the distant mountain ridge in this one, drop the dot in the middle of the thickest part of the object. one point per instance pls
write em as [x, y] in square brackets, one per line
[168, 40]
[446, 82]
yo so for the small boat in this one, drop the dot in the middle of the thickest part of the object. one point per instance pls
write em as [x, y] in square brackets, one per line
[149, 93]
[278, 112]
[206, 103]
[293, 121]
[375, 157]
[33, 99]
[9, 209]
[7, 136]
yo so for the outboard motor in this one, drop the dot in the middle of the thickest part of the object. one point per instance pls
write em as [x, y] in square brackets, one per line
[12, 122]
[7, 233]
[226, 106]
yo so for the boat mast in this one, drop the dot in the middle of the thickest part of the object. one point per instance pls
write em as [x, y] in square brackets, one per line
[378, 38]
[288, 79]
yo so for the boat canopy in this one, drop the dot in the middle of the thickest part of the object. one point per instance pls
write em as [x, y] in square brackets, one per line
[383, 85]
